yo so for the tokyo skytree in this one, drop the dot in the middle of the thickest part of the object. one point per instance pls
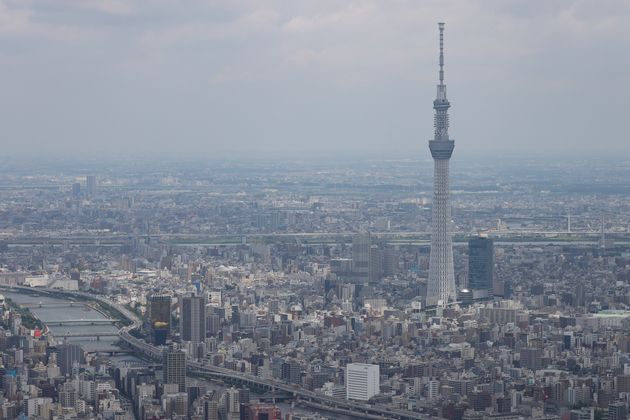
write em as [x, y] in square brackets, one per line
[441, 286]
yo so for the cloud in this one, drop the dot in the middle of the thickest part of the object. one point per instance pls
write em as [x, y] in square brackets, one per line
[298, 74]
[115, 7]
[13, 21]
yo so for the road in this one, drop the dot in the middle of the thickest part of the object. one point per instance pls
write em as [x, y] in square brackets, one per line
[302, 395]
[113, 239]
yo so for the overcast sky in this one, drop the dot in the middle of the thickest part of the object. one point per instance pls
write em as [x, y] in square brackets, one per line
[253, 77]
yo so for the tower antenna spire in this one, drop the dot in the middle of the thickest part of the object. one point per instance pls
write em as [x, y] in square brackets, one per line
[441, 27]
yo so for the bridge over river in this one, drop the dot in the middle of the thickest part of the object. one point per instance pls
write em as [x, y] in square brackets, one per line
[300, 395]
[67, 322]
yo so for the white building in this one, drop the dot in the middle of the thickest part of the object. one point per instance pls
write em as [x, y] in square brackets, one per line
[433, 389]
[362, 381]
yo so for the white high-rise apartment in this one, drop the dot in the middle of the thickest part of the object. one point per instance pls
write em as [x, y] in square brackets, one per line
[362, 381]
[433, 388]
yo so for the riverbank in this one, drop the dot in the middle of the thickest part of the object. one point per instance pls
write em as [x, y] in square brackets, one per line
[29, 320]
[101, 337]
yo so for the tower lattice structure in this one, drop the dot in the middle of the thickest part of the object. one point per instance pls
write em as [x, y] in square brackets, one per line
[441, 286]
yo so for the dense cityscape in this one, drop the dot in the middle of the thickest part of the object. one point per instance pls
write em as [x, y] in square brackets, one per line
[249, 282]
[435, 285]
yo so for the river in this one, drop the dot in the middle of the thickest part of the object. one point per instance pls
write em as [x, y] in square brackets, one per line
[76, 312]
[104, 344]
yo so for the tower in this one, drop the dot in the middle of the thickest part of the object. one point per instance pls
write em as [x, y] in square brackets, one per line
[441, 286]
[193, 319]
[160, 318]
[361, 245]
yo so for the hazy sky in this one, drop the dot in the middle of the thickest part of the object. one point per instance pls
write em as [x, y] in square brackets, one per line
[252, 77]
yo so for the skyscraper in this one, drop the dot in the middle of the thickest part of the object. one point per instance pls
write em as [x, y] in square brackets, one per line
[441, 286]
[76, 190]
[193, 319]
[90, 186]
[174, 368]
[160, 318]
[67, 355]
[361, 257]
[480, 264]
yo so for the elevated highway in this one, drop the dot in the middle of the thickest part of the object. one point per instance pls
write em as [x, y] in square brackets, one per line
[201, 239]
[301, 395]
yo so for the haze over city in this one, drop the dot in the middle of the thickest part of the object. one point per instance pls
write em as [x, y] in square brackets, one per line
[203, 79]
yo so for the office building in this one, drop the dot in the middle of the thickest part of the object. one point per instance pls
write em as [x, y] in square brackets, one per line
[193, 318]
[531, 358]
[160, 318]
[76, 190]
[68, 396]
[480, 266]
[69, 355]
[361, 257]
[362, 381]
[375, 272]
[174, 368]
[90, 186]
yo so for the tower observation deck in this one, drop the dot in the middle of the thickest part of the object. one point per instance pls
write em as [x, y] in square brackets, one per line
[441, 285]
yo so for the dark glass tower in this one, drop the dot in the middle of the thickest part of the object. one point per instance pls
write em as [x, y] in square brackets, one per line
[193, 319]
[160, 318]
[480, 264]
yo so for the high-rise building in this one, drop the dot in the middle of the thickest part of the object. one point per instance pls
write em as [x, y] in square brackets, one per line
[90, 186]
[390, 261]
[160, 318]
[361, 257]
[441, 284]
[233, 402]
[531, 358]
[68, 396]
[175, 405]
[433, 387]
[617, 411]
[193, 318]
[480, 264]
[210, 409]
[622, 383]
[76, 190]
[174, 368]
[362, 381]
[375, 272]
[213, 324]
[68, 355]
[580, 294]
[236, 315]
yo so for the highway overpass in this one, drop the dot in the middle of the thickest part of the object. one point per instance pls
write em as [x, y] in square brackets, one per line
[301, 395]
